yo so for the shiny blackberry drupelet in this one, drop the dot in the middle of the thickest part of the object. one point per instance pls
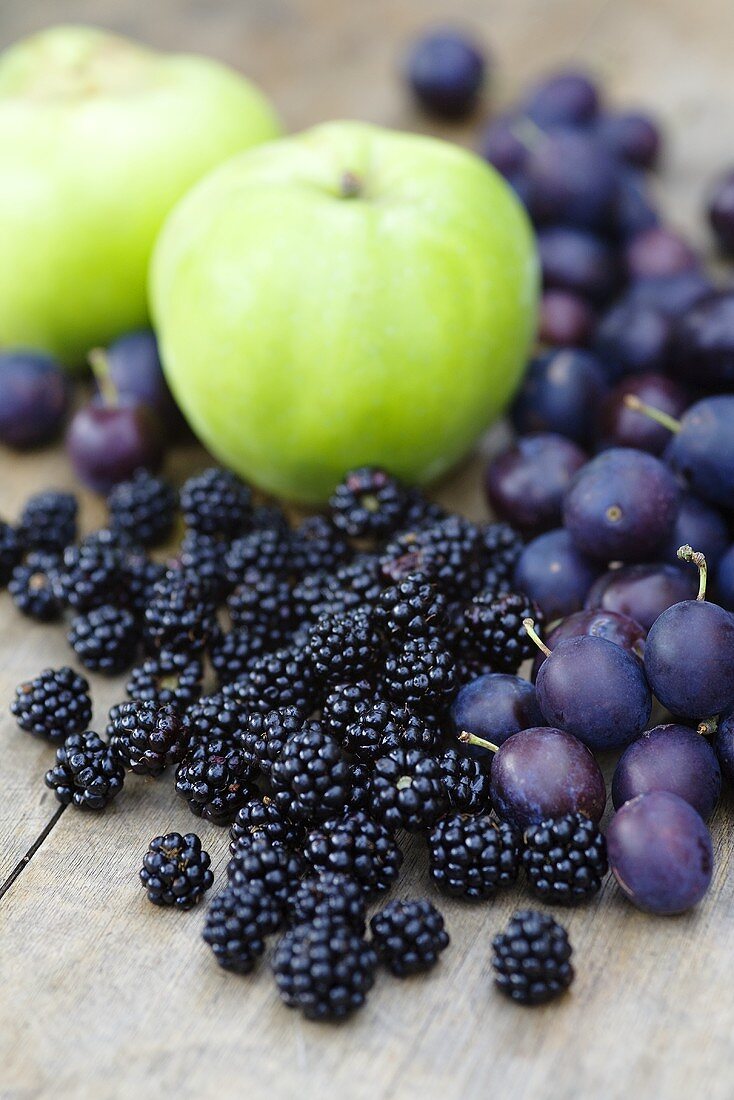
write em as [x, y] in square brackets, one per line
[92, 574]
[143, 508]
[368, 503]
[87, 773]
[466, 783]
[409, 935]
[422, 676]
[33, 587]
[11, 551]
[471, 856]
[166, 678]
[259, 859]
[105, 639]
[262, 735]
[329, 896]
[532, 958]
[148, 738]
[178, 616]
[202, 557]
[238, 922]
[54, 705]
[446, 553]
[360, 779]
[358, 846]
[231, 653]
[500, 551]
[48, 521]
[282, 678]
[406, 790]
[215, 779]
[176, 870]
[493, 631]
[260, 817]
[268, 550]
[216, 502]
[310, 777]
[344, 704]
[343, 647]
[262, 605]
[317, 546]
[412, 608]
[565, 859]
[324, 968]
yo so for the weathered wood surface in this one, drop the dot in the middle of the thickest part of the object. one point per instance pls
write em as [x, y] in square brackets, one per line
[105, 996]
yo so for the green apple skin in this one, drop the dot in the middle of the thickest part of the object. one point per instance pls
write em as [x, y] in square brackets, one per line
[99, 138]
[349, 295]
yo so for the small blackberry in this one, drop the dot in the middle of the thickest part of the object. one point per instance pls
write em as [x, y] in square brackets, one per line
[331, 897]
[565, 859]
[178, 616]
[166, 678]
[216, 502]
[421, 676]
[259, 859]
[231, 653]
[33, 587]
[90, 575]
[202, 558]
[471, 856]
[11, 550]
[411, 731]
[105, 639]
[267, 550]
[216, 780]
[263, 734]
[176, 870]
[148, 738]
[324, 968]
[412, 608]
[213, 717]
[343, 647]
[406, 790]
[54, 705]
[260, 817]
[368, 503]
[143, 508]
[446, 553]
[279, 679]
[310, 777]
[317, 546]
[500, 551]
[532, 958]
[409, 936]
[142, 574]
[262, 605]
[493, 629]
[465, 782]
[344, 704]
[270, 517]
[358, 846]
[238, 922]
[48, 521]
[87, 773]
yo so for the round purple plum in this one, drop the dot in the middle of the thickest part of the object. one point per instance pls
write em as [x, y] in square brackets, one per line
[621, 426]
[658, 251]
[619, 629]
[494, 707]
[577, 261]
[669, 758]
[134, 368]
[34, 399]
[108, 443]
[721, 212]
[571, 178]
[446, 70]
[724, 745]
[565, 320]
[553, 573]
[725, 580]
[633, 210]
[525, 484]
[703, 343]
[673, 294]
[632, 137]
[633, 338]
[702, 449]
[700, 525]
[642, 592]
[502, 145]
[567, 98]
[561, 393]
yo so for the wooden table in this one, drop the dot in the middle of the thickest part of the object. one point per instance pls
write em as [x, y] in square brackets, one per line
[105, 996]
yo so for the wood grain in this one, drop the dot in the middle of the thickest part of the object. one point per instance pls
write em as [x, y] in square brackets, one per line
[105, 996]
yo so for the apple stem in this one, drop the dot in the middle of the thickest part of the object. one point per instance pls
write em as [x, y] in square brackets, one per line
[351, 185]
[687, 553]
[708, 727]
[535, 637]
[100, 364]
[472, 739]
[633, 402]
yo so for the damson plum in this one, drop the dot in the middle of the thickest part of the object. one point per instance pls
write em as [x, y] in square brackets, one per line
[703, 346]
[553, 573]
[565, 320]
[669, 758]
[34, 399]
[134, 368]
[561, 393]
[525, 484]
[621, 426]
[660, 852]
[633, 210]
[574, 260]
[503, 146]
[673, 294]
[632, 137]
[699, 525]
[446, 70]
[494, 707]
[641, 592]
[721, 212]
[568, 98]
[633, 338]
[571, 178]
[724, 745]
[619, 629]
[658, 252]
[725, 580]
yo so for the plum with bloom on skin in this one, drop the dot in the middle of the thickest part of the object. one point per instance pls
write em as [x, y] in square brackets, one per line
[669, 758]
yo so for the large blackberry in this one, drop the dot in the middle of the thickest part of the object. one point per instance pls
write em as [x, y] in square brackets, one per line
[532, 958]
[166, 678]
[238, 922]
[148, 738]
[565, 859]
[500, 550]
[266, 550]
[317, 546]
[213, 717]
[202, 558]
[87, 772]
[262, 605]
[471, 856]
[493, 629]
[143, 508]
[259, 859]
[422, 676]
[343, 705]
[409, 936]
[343, 647]
[260, 817]
[465, 782]
[231, 653]
[216, 780]
[329, 896]
[445, 553]
[178, 615]
[11, 550]
[310, 778]
[176, 870]
[216, 502]
[368, 503]
[412, 608]
[48, 521]
[359, 846]
[279, 679]
[53, 705]
[105, 639]
[324, 968]
[90, 575]
[263, 735]
[33, 587]
[406, 790]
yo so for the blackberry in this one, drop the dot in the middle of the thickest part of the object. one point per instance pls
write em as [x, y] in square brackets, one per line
[532, 958]
[263, 735]
[365, 735]
[493, 628]
[343, 647]
[91, 575]
[310, 777]
[142, 574]
[411, 731]
[106, 539]
[262, 605]
[317, 546]
[87, 773]
[203, 558]
[238, 922]
[360, 779]
[148, 738]
[368, 503]
[143, 508]
[216, 780]
[267, 550]
[565, 859]
[409, 936]
[258, 859]
[420, 511]
[358, 582]
[471, 856]
[167, 678]
[412, 608]
[178, 616]
[343, 706]
[446, 553]
[500, 551]
[216, 502]
[231, 653]
[314, 595]
[213, 717]
[48, 521]
[465, 782]
[358, 846]
[11, 550]
[406, 790]
[33, 587]
[324, 968]
[176, 870]
[269, 516]
[53, 705]
[329, 896]
[422, 676]
[279, 679]
[104, 639]
[260, 817]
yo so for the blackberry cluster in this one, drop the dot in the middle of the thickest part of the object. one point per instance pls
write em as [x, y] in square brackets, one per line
[259, 859]
[266, 550]
[406, 790]
[310, 777]
[368, 503]
[231, 653]
[238, 922]
[91, 575]
[216, 502]
[48, 521]
[317, 546]
[358, 846]
[54, 705]
[565, 859]
[472, 856]
[143, 509]
[148, 738]
[213, 717]
[33, 587]
[215, 779]
[412, 608]
[532, 958]
[466, 783]
[409, 936]
[87, 773]
[342, 647]
[202, 557]
[263, 735]
[105, 639]
[260, 817]
[422, 676]
[324, 968]
[280, 679]
[178, 616]
[262, 606]
[329, 896]
[493, 630]
[176, 870]
[446, 553]
[343, 706]
[500, 551]
[166, 678]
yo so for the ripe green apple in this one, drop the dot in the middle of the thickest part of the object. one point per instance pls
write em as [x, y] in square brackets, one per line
[350, 295]
[99, 138]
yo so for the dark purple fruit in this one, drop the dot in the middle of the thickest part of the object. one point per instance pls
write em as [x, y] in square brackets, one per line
[577, 261]
[673, 294]
[725, 580]
[632, 137]
[561, 393]
[598, 623]
[621, 426]
[494, 707]
[135, 370]
[555, 574]
[669, 758]
[569, 98]
[446, 71]
[700, 525]
[703, 343]
[565, 320]
[502, 144]
[571, 178]
[658, 252]
[633, 338]
[34, 399]
[702, 449]
[525, 484]
[721, 212]
[642, 592]
[108, 443]
[724, 745]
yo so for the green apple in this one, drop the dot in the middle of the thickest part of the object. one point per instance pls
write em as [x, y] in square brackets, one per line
[350, 295]
[99, 138]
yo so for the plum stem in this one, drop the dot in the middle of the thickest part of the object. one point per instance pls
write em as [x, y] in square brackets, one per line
[708, 727]
[472, 739]
[351, 185]
[687, 553]
[535, 637]
[100, 364]
[633, 402]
